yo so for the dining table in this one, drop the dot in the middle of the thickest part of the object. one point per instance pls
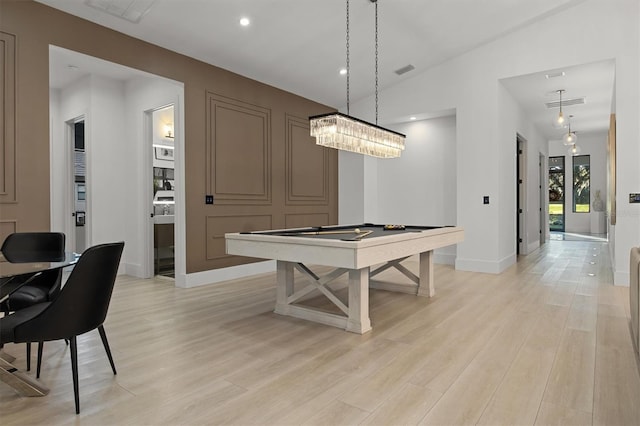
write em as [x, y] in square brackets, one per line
[14, 275]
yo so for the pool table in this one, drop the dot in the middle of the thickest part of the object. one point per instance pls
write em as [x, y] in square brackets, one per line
[352, 250]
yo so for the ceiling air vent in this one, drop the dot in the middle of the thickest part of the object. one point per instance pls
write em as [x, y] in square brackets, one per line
[555, 74]
[129, 10]
[566, 102]
[405, 69]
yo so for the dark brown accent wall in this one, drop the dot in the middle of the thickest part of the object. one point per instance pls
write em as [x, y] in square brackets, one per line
[246, 143]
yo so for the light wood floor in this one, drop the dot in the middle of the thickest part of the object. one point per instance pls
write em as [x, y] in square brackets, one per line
[546, 342]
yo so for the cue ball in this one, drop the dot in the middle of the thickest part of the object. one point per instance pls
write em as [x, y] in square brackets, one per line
[357, 230]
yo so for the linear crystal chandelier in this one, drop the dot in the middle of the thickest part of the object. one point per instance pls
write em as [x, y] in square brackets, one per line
[341, 131]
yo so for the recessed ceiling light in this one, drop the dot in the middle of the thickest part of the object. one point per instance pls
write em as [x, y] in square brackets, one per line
[412, 118]
[244, 22]
[73, 67]
[343, 71]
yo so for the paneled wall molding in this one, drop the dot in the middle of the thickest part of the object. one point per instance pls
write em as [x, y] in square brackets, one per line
[301, 220]
[217, 226]
[307, 165]
[8, 145]
[7, 227]
[238, 151]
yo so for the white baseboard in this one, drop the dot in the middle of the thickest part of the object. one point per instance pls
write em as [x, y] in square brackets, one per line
[444, 259]
[489, 267]
[472, 265]
[621, 278]
[507, 262]
[134, 270]
[533, 247]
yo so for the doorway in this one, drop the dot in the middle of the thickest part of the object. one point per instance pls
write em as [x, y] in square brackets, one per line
[162, 203]
[78, 185]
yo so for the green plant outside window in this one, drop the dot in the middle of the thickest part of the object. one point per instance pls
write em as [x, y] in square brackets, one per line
[581, 184]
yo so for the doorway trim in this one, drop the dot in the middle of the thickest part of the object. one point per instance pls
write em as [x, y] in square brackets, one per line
[521, 195]
[543, 197]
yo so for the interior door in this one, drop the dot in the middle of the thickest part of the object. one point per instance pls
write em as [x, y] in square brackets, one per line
[521, 184]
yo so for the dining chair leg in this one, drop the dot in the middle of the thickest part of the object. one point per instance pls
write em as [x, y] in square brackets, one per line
[103, 335]
[28, 356]
[74, 371]
[40, 348]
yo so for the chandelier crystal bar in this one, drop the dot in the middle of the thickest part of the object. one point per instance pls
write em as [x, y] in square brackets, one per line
[341, 131]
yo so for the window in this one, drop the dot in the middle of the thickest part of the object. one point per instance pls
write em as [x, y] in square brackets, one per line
[556, 193]
[581, 183]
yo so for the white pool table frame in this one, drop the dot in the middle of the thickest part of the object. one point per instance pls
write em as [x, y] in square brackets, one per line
[352, 257]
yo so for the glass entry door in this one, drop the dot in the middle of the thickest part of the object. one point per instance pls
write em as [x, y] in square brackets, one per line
[556, 194]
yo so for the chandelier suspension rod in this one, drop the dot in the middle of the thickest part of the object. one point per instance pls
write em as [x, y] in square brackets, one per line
[348, 71]
[560, 101]
[375, 2]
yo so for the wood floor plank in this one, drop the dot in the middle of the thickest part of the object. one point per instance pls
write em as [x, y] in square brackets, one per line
[467, 398]
[544, 342]
[571, 380]
[407, 407]
[617, 388]
[557, 415]
[583, 314]
[518, 397]
[337, 413]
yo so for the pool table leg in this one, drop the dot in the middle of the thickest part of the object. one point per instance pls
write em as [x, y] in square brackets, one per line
[426, 287]
[284, 289]
[359, 321]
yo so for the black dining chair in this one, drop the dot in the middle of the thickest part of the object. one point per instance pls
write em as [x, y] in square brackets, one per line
[80, 307]
[26, 247]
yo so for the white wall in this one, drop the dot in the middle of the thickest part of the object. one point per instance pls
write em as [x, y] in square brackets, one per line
[107, 174]
[116, 147]
[65, 105]
[427, 170]
[419, 188]
[101, 101]
[485, 150]
[352, 186]
[594, 145]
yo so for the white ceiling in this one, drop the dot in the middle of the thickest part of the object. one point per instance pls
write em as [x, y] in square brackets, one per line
[299, 46]
[593, 82]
